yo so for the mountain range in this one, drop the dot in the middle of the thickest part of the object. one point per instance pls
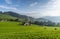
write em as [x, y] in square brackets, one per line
[13, 15]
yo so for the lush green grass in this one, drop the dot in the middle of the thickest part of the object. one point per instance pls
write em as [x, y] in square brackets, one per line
[13, 30]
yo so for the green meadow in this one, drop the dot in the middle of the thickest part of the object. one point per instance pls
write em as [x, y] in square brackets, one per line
[14, 30]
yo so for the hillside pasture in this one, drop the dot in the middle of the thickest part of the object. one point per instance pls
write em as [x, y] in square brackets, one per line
[13, 30]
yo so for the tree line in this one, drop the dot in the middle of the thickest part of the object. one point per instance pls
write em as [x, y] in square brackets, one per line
[48, 23]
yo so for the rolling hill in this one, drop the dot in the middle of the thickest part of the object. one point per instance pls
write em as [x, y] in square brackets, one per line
[13, 15]
[6, 16]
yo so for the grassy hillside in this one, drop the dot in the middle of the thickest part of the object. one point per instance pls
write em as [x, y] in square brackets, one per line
[13, 30]
[5, 16]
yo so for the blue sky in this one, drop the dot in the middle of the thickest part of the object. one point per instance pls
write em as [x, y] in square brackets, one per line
[34, 8]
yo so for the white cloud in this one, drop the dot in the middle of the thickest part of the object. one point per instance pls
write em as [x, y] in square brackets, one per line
[6, 7]
[8, 1]
[33, 4]
[52, 8]
[55, 10]
[10, 8]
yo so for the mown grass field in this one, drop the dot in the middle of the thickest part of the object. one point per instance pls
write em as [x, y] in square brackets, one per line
[13, 30]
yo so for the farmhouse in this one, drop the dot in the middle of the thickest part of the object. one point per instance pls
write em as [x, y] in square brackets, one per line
[26, 23]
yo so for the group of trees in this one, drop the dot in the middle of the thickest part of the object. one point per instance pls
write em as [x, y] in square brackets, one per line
[48, 23]
[17, 20]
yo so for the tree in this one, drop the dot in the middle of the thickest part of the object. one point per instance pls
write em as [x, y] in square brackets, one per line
[16, 20]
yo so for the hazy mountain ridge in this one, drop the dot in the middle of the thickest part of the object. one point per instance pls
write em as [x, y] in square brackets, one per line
[42, 19]
[52, 18]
